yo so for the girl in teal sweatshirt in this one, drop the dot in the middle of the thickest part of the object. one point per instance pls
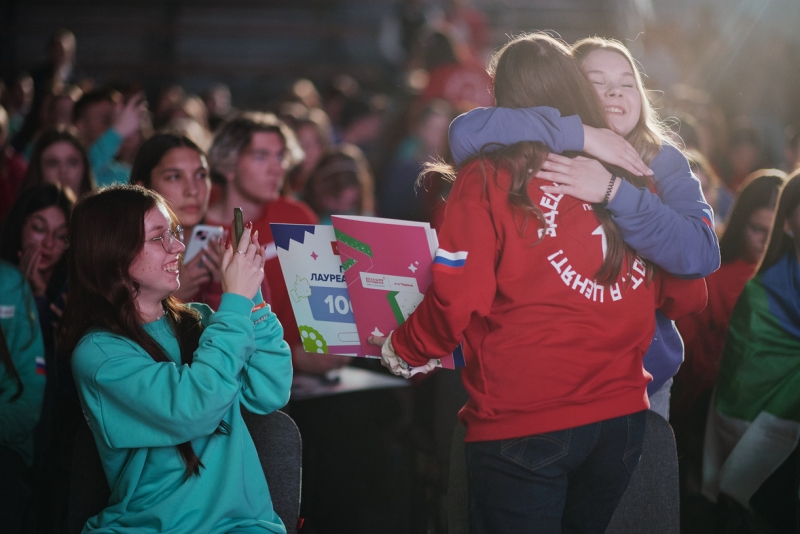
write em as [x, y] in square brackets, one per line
[22, 378]
[162, 384]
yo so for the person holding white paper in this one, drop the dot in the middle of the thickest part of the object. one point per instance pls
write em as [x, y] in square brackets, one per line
[554, 313]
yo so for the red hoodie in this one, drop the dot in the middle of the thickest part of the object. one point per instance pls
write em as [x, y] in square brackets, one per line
[546, 347]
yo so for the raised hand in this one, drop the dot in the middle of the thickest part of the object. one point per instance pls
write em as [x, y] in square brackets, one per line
[242, 267]
[612, 148]
[29, 266]
[130, 115]
[583, 178]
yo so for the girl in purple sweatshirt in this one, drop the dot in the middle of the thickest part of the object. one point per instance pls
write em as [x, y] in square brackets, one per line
[673, 228]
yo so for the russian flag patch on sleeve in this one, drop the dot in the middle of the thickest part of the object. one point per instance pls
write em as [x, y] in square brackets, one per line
[450, 262]
[708, 218]
[40, 368]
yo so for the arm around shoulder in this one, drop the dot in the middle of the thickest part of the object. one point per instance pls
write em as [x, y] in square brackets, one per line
[474, 129]
[673, 228]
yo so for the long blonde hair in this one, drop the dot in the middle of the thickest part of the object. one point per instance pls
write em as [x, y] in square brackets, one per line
[650, 133]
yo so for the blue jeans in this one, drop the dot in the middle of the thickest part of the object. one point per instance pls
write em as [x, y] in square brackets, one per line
[563, 481]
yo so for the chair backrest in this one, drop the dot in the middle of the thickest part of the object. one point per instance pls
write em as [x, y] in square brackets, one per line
[280, 450]
[88, 489]
[277, 441]
[650, 504]
[652, 501]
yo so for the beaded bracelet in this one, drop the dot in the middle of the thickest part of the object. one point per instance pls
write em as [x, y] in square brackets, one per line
[607, 198]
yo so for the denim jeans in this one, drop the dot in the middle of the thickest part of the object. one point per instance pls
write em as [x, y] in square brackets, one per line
[563, 481]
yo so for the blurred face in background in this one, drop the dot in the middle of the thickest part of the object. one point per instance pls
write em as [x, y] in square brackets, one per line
[62, 163]
[96, 119]
[260, 168]
[433, 132]
[310, 142]
[756, 233]
[182, 178]
[46, 230]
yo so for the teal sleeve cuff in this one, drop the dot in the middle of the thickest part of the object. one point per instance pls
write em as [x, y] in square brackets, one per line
[112, 137]
[259, 298]
[232, 302]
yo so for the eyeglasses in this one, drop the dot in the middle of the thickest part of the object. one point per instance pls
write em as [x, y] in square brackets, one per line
[171, 240]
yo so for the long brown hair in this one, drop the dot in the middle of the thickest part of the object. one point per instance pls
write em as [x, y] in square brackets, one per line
[106, 235]
[538, 70]
[780, 243]
[759, 191]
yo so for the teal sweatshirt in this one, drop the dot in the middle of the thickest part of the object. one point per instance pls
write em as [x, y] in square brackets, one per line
[20, 324]
[107, 170]
[139, 410]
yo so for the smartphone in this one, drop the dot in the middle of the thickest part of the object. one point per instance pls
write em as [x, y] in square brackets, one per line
[238, 226]
[202, 235]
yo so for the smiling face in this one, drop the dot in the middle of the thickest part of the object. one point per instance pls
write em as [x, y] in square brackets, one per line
[155, 269]
[260, 168]
[62, 163]
[182, 178]
[615, 82]
[46, 229]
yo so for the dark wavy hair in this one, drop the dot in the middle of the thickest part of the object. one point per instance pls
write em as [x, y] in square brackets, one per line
[37, 197]
[106, 235]
[780, 243]
[760, 190]
[153, 150]
[49, 137]
[539, 70]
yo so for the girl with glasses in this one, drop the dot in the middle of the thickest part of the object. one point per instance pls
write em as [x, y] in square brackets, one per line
[161, 383]
[173, 166]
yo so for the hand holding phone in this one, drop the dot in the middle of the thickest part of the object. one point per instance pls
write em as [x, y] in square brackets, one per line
[238, 226]
[202, 235]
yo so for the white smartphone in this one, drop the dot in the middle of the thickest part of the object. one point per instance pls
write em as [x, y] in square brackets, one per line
[202, 235]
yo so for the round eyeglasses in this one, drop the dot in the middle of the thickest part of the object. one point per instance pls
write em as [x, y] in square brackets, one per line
[171, 240]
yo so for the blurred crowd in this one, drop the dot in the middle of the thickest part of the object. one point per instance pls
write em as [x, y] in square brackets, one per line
[330, 147]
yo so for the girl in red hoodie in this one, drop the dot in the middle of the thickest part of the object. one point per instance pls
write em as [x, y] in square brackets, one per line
[554, 313]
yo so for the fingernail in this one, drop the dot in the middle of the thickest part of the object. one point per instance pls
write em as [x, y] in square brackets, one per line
[249, 225]
[255, 235]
